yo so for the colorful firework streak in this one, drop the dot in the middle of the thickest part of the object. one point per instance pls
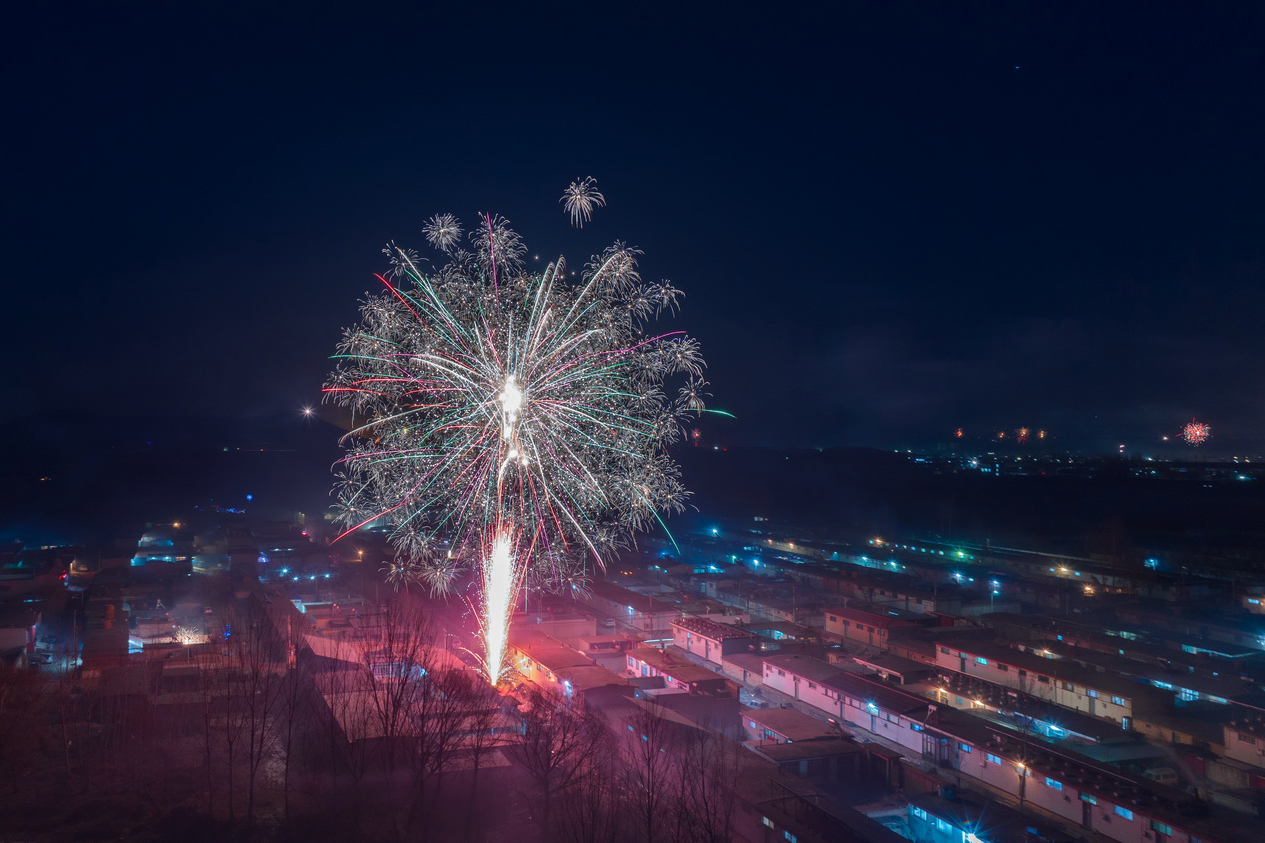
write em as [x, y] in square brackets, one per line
[1022, 435]
[1195, 433]
[510, 421]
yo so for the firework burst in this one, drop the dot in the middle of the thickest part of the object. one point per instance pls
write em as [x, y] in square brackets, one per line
[442, 231]
[1196, 433]
[512, 418]
[580, 198]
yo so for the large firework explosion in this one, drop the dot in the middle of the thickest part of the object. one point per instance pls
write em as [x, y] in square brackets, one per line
[510, 421]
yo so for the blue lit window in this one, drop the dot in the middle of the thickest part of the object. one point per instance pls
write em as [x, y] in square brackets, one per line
[1124, 812]
[964, 747]
[1049, 782]
[992, 759]
[1118, 700]
[981, 660]
[1089, 797]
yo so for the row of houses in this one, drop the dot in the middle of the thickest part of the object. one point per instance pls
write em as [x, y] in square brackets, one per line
[1073, 788]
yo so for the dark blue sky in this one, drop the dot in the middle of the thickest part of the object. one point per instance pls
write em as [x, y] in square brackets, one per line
[890, 219]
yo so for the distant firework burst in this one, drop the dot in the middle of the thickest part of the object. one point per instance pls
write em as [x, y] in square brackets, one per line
[1196, 432]
[510, 421]
[580, 198]
[1022, 435]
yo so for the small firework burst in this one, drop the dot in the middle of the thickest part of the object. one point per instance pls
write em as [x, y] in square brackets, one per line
[442, 231]
[402, 572]
[401, 259]
[1022, 435]
[1196, 433]
[580, 198]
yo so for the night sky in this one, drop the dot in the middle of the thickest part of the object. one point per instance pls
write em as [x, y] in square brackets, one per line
[890, 220]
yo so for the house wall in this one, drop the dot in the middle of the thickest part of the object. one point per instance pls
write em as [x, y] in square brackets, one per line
[1244, 747]
[1044, 685]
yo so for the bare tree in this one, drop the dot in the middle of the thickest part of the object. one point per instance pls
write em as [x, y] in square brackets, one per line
[439, 710]
[705, 795]
[650, 766]
[595, 809]
[257, 663]
[482, 730]
[21, 721]
[558, 736]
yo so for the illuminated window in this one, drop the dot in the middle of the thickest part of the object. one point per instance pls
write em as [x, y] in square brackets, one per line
[992, 759]
[920, 813]
[1124, 812]
[1049, 782]
[981, 660]
[1160, 827]
[1089, 797]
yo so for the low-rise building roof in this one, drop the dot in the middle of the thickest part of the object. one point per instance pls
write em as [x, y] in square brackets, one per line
[674, 662]
[883, 619]
[791, 723]
[812, 669]
[711, 629]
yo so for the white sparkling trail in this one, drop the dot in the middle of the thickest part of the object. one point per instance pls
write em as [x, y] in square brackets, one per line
[500, 592]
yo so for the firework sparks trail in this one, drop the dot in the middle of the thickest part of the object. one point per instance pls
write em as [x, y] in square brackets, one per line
[511, 419]
[1196, 433]
[500, 590]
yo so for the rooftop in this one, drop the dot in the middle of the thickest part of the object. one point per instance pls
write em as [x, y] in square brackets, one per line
[629, 598]
[795, 725]
[711, 629]
[875, 617]
[675, 663]
[892, 664]
[812, 669]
